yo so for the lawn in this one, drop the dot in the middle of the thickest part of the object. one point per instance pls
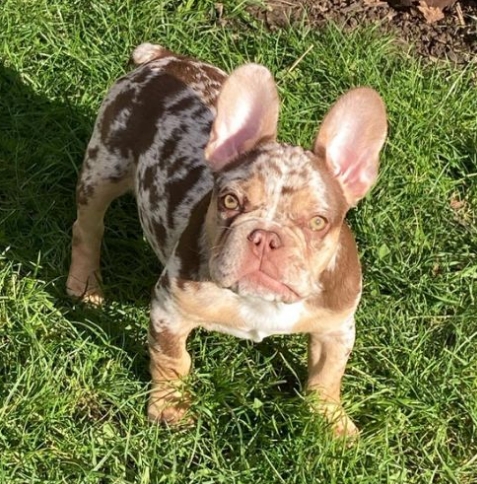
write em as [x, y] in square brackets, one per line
[74, 380]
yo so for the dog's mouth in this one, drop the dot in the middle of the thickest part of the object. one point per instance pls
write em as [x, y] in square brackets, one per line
[261, 284]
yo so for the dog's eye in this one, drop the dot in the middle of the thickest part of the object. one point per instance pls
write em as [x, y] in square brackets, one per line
[317, 223]
[230, 202]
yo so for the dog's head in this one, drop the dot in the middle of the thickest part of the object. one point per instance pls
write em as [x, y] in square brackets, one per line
[276, 213]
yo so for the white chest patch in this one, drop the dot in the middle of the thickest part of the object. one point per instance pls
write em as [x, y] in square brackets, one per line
[259, 319]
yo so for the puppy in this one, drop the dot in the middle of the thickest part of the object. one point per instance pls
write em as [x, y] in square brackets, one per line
[251, 232]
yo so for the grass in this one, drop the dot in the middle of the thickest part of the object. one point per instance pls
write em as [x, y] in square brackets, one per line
[74, 381]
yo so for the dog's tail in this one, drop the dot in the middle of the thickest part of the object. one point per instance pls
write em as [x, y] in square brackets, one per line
[147, 52]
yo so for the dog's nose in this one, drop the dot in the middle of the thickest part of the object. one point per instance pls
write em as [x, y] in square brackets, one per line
[264, 240]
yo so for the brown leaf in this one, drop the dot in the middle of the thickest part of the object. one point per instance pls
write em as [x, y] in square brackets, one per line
[431, 14]
[463, 212]
[457, 204]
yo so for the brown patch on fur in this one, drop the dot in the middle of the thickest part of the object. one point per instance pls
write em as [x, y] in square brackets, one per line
[288, 191]
[148, 179]
[210, 77]
[145, 109]
[183, 104]
[253, 188]
[248, 157]
[320, 153]
[213, 74]
[139, 76]
[165, 342]
[159, 232]
[164, 282]
[83, 193]
[342, 284]
[121, 102]
[147, 183]
[333, 188]
[92, 153]
[148, 108]
[178, 190]
[188, 249]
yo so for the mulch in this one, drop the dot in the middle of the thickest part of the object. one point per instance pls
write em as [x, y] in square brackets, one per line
[447, 33]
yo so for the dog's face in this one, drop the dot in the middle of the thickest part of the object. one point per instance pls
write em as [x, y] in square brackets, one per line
[276, 212]
[274, 223]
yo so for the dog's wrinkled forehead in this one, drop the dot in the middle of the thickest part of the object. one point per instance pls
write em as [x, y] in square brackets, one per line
[288, 178]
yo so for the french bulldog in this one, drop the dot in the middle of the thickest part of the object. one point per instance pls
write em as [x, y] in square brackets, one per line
[251, 232]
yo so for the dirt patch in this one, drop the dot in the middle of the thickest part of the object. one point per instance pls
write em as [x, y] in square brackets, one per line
[454, 36]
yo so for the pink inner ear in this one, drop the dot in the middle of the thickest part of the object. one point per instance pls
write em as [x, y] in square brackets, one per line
[357, 172]
[218, 155]
[352, 135]
[359, 180]
[247, 112]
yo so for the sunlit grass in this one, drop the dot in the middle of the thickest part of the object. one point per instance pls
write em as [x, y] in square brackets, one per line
[74, 381]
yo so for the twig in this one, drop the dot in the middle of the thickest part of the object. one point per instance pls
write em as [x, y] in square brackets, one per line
[295, 64]
[458, 10]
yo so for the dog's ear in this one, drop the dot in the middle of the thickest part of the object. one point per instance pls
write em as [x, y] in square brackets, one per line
[247, 114]
[350, 139]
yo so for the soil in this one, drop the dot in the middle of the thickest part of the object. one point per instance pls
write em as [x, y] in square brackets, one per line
[454, 36]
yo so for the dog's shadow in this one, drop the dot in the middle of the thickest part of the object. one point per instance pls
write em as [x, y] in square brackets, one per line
[42, 142]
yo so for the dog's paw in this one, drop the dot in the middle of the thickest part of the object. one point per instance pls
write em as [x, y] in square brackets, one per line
[166, 413]
[171, 409]
[88, 292]
[95, 298]
[341, 424]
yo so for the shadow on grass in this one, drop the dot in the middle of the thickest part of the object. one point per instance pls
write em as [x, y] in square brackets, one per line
[287, 366]
[41, 149]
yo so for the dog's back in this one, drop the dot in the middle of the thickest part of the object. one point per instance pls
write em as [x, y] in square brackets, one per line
[153, 127]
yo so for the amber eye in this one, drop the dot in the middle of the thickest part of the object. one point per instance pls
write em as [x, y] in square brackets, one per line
[230, 202]
[317, 223]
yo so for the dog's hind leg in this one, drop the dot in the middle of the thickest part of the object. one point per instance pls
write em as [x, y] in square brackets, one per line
[103, 178]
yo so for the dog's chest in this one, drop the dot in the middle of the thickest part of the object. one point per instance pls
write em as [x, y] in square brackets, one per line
[258, 319]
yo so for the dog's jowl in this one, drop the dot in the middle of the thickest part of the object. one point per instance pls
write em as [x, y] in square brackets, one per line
[251, 232]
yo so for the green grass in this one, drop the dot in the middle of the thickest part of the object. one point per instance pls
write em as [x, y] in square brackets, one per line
[74, 381]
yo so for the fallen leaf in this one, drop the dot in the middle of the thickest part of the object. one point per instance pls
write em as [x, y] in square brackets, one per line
[431, 14]
[436, 269]
[457, 204]
[463, 212]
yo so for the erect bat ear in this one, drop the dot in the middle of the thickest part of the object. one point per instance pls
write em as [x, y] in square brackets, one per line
[351, 136]
[247, 114]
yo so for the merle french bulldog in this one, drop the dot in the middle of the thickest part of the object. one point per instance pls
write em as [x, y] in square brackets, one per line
[251, 232]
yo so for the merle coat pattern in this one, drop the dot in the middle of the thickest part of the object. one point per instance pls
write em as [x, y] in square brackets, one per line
[251, 232]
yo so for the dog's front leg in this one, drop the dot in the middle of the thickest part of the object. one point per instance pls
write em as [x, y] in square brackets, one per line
[327, 357]
[169, 360]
